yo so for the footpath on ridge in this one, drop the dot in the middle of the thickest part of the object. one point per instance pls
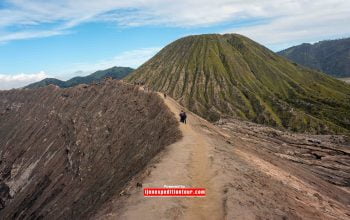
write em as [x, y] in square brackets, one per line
[240, 184]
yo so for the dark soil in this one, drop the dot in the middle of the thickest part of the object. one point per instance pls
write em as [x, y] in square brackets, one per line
[64, 152]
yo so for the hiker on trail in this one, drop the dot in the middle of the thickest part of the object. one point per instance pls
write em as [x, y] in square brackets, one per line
[165, 95]
[183, 116]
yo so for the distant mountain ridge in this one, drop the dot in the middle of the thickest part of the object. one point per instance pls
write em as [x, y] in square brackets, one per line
[330, 56]
[114, 72]
[218, 76]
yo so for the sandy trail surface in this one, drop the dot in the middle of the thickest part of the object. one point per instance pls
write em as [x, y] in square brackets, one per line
[240, 183]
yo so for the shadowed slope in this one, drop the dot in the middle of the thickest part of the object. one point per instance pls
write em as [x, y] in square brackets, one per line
[64, 152]
[329, 56]
[231, 75]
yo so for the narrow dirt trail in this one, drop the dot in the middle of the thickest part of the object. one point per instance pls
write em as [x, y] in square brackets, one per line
[200, 171]
[187, 163]
[240, 184]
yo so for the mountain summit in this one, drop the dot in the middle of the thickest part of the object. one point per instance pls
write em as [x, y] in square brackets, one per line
[230, 75]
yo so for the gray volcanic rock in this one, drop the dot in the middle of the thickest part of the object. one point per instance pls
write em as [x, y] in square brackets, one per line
[64, 152]
[327, 156]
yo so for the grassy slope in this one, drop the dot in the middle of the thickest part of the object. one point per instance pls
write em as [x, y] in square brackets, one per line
[331, 56]
[114, 72]
[230, 75]
[46, 82]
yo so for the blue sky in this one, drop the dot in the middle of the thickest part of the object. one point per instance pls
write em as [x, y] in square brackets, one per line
[57, 38]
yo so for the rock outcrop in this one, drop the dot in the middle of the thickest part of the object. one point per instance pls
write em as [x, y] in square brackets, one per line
[327, 156]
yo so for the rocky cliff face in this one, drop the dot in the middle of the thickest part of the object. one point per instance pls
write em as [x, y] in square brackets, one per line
[64, 152]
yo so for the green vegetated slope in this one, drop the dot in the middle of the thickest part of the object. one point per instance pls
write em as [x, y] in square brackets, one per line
[230, 75]
[330, 56]
[114, 72]
[46, 82]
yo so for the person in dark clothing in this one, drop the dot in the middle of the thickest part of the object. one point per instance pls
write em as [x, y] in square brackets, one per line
[183, 117]
[165, 95]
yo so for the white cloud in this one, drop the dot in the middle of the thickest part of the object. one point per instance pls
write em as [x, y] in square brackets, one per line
[20, 80]
[133, 58]
[181, 12]
[286, 20]
[29, 34]
[308, 22]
